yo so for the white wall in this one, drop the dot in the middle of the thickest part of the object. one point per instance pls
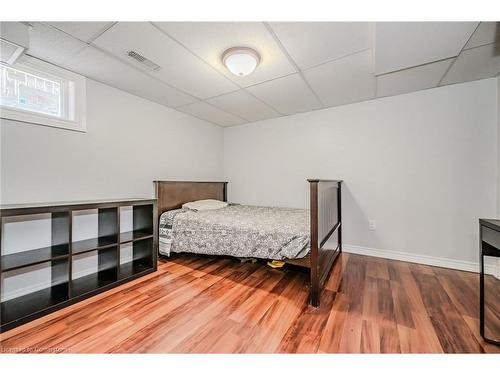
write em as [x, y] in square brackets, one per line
[423, 165]
[129, 143]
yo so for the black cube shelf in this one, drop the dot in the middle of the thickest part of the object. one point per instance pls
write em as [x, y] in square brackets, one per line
[66, 287]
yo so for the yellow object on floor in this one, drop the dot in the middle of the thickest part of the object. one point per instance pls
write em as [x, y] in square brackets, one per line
[276, 264]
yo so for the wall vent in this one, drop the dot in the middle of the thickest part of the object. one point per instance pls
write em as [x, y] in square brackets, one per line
[143, 61]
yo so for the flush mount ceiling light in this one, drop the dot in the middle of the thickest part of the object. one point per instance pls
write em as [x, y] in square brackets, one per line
[240, 61]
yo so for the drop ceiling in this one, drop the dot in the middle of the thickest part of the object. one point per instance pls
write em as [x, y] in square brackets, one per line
[304, 66]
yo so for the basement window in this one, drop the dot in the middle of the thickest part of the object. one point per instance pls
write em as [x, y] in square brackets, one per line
[36, 92]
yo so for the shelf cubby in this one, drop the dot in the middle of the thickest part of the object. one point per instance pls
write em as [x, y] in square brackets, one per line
[104, 273]
[133, 268]
[79, 256]
[58, 248]
[93, 282]
[142, 223]
[105, 235]
[136, 236]
[55, 292]
[136, 223]
[137, 261]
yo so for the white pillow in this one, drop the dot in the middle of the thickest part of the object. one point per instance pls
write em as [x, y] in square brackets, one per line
[205, 205]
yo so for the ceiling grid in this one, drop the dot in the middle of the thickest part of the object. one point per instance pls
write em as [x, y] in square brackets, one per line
[304, 66]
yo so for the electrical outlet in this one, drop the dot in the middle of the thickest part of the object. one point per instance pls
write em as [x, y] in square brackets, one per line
[372, 224]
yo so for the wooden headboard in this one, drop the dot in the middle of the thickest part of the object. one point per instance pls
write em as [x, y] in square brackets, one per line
[173, 194]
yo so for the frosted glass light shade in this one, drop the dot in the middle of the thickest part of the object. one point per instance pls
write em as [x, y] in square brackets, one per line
[241, 61]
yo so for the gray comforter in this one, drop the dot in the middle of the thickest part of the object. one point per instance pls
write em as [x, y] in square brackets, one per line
[237, 230]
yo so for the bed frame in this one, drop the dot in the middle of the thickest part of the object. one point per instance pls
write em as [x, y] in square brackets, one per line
[326, 220]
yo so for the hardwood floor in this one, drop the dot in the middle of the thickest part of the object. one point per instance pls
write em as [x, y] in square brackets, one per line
[206, 305]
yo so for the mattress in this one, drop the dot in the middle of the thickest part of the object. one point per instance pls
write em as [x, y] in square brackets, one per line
[237, 230]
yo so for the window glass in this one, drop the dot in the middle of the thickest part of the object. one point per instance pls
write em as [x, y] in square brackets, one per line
[22, 90]
[35, 92]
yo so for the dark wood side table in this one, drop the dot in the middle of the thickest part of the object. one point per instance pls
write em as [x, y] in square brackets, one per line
[489, 246]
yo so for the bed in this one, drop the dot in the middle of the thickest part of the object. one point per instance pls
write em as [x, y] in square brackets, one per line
[309, 238]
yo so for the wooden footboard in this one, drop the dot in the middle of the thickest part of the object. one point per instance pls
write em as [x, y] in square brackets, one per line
[326, 231]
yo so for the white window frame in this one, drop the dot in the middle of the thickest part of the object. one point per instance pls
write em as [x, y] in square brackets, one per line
[73, 99]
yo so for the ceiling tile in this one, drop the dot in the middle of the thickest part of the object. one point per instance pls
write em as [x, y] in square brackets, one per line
[413, 79]
[101, 67]
[86, 31]
[52, 45]
[486, 33]
[343, 81]
[337, 59]
[288, 94]
[179, 67]
[313, 43]
[209, 40]
[476, 63]
[401, 45]
[244, 105]
[212, 114]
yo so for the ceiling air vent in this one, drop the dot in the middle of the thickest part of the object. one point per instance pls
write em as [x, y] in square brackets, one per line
[144, 61]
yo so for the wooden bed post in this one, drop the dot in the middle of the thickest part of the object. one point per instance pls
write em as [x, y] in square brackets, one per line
[326, 219]
[313, 191]
[225, 192]
[339, 214]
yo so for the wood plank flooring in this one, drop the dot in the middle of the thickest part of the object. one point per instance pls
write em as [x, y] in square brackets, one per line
[213, 305]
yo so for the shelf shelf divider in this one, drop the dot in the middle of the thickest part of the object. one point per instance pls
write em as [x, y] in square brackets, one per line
[135, 235]
[33, 257]
[92, 244]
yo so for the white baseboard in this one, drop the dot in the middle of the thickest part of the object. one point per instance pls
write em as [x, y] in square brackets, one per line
[490, 269]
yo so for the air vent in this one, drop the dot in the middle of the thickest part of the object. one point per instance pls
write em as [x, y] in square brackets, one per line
[144, 61]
